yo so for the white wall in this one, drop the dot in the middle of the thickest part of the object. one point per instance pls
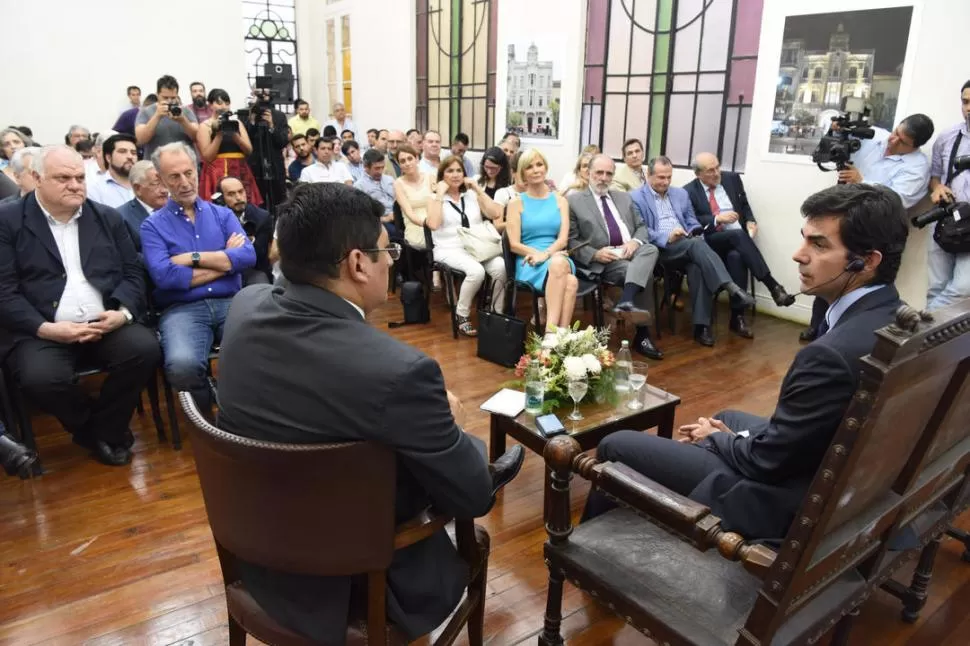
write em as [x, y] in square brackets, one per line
[933, 73]
[69, 61]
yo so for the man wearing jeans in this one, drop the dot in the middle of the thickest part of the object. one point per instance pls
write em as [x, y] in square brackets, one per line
[195, 253]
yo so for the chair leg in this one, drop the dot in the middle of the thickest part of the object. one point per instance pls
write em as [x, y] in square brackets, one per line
[237, 634]
[915, 596]
[840, 634]
[172, 419]
[152, 388]
[550, 635]
[754, 308]
[658, 306]
[964, 538]
[452, 301]
[476, 619]
[540, 326]
[26, 428]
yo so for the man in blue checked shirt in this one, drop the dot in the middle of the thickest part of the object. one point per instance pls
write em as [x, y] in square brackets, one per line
[195, 253]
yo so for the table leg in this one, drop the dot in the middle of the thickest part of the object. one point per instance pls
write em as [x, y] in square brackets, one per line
[496, 440]
[666, 426]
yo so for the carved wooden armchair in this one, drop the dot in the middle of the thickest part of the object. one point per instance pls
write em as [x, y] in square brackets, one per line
[323, 510]
[893, 458]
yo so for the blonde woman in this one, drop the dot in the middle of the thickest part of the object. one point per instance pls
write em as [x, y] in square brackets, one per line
[412, 190]
[538, 228]
[579, 178]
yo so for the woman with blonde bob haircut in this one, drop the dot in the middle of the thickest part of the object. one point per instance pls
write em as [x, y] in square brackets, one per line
[538, 230]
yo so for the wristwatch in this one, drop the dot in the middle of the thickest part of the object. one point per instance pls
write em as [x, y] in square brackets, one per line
[129, 319]
[196, 259]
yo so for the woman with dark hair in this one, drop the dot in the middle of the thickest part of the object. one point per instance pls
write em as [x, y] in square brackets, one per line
[467, 206]
[224, 150]
[11, 140]
[494, 172]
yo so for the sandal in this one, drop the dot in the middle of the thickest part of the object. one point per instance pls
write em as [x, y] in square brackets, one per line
[465, 326]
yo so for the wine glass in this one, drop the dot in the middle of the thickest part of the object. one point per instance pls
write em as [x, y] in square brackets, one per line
[577, 390]
[638, 377]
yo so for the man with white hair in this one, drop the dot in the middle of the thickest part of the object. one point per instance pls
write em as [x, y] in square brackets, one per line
[75, 134]
[150, 195]
[71, 289]
[22, 173]
[196, 253]
[341, 121]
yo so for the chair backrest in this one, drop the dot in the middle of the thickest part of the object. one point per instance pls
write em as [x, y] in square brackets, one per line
[906, 387]
[316, 509]
[508, 257]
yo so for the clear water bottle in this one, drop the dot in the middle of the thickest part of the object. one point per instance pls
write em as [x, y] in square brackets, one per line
[621, 373]
[535, 388]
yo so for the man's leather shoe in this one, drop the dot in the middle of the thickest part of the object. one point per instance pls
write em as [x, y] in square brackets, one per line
[740, 327]
[632, 314]
[16, 458]
[113, 456]
[702, 334]
[506, 467]
[643, 345]
[781, 297]
[740, 296]
[808, 334]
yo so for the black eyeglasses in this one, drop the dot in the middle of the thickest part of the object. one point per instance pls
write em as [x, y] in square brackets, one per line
[393, 250]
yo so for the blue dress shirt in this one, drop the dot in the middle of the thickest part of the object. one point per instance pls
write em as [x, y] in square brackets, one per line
[169, 232]
[907, 175]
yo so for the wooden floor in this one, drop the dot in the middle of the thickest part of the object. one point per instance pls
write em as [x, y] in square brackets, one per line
[103, 556]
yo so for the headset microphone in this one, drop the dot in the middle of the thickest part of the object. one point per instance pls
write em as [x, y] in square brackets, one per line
[854, 267]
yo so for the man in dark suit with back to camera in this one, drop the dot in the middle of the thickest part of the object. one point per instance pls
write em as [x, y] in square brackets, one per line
[752, 471]
[325, 375]
[721, 205]
[617, 247]
[71, 289]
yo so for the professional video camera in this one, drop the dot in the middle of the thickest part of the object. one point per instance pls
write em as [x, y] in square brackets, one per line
[843, 138]
[228, 123]
[959, 210]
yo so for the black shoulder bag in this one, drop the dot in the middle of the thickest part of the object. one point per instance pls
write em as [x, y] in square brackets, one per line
[952, 232]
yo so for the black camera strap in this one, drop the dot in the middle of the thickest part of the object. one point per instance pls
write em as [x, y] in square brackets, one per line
[461, 211]
[951, 173]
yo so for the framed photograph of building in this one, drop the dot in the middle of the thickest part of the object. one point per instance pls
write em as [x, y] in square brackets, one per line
[828, 56]
[534, 81]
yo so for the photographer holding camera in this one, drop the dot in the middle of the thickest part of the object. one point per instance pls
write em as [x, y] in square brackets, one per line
[165, 122]
[949, 268]
[270, 136]
[224, 146]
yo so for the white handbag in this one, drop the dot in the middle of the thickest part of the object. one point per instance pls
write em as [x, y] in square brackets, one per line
[482, 242]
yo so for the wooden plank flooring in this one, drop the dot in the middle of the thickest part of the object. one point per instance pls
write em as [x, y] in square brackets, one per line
[120, 556]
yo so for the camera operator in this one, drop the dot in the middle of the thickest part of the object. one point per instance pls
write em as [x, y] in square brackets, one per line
[165, 122]
[270, 136]
[949, 273]
[224, 147]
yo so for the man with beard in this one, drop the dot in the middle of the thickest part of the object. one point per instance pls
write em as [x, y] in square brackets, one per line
[113, 187]
[199, 106]
[304, 157]
[257, 224]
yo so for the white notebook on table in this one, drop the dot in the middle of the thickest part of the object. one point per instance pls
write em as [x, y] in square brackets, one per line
[506, 402]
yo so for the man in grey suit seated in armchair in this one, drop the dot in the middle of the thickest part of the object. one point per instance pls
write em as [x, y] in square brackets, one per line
[613, 243]
[303, 366]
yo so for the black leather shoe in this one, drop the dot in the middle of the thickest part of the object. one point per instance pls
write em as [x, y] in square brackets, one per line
[740, 327]
[632, 314]
[104, 453]
[781, 297]
[506, 467]
[16, 458]
[702, 334]
[808, 334]
[643, 345]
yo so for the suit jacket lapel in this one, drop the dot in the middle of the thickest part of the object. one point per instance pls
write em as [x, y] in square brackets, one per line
[36, 222]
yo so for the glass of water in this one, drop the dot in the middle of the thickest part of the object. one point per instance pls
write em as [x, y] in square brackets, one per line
[638, 377]
[577, 390]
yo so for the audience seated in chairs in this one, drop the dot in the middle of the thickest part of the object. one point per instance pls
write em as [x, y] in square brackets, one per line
[467, 206]
[256, 222]
[578, 180]
[71, 291]
[196, 253]
[613, 244]
[753, 471]
[630, 175]
[721, 206]
[537, 224]
[11, 140]
[150, 195]
[23, 174]
[337, 257]
[413, 191]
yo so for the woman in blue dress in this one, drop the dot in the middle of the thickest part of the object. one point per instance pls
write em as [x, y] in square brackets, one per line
[538, 230]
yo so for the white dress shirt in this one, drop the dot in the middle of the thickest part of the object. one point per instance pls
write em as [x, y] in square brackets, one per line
[80, 302]
[427, 167]
[624, 231]
[146, 207]
[332, 172]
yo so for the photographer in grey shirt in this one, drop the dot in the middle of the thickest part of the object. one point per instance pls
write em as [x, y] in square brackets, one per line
[165, 122]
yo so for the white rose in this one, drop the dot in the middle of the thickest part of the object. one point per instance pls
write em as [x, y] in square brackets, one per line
[592, 364]
[575, 367]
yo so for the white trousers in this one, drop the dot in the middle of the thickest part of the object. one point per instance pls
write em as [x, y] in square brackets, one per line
[474, 277]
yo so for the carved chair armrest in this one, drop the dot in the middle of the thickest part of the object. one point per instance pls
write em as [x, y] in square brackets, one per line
[425, 524]
[678, 514]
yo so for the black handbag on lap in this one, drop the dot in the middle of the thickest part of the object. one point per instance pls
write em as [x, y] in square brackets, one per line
[501, 339]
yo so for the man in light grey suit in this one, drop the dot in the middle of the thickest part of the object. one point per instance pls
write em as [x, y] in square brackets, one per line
[302, 366]
[616, 247]
[669, 216]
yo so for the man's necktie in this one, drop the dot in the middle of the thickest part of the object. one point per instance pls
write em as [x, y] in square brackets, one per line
[616, 238]
[715, 208]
